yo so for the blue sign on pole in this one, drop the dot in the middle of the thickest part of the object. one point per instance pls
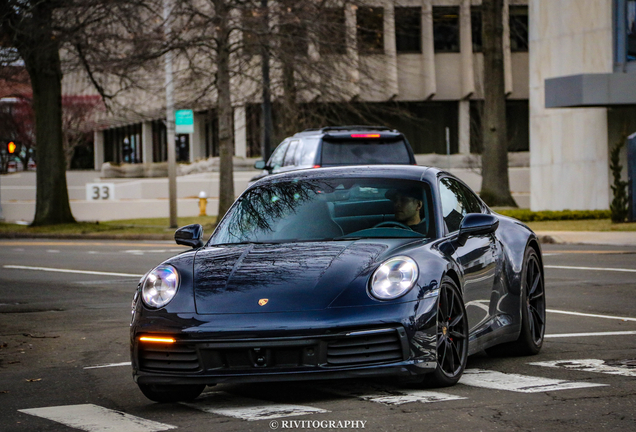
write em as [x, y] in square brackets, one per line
[184, 121]
[631, 175]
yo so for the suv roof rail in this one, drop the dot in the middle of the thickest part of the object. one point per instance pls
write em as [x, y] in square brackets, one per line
[345, 128]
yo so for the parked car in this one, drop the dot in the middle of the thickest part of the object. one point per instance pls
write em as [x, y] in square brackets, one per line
[337, 146]
[338, 273]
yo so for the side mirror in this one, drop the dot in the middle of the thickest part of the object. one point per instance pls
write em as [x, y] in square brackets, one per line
[260, 164]
[476, 224]
[189, 235]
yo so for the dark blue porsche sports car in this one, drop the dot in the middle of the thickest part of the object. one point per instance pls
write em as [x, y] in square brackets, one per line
[339, 272]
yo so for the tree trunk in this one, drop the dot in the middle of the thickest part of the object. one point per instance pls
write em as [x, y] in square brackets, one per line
[495, 187]
[226, 141]
[42, 60]
[290, 108]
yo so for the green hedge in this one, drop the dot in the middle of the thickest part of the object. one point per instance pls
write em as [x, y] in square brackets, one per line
[547, 215]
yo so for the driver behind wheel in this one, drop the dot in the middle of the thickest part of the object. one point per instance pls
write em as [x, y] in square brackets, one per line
[407, 204]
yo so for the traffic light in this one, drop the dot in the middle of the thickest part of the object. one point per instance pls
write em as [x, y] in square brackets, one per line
[11, 147]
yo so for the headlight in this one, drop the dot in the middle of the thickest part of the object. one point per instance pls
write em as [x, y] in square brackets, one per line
[160, 286]
[394, 278]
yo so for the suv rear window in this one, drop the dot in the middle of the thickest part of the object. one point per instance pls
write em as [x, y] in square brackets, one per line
[377, 151]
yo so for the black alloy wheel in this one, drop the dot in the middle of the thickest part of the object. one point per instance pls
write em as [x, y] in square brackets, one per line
[533, 324]
[452, 336]
[532, 332]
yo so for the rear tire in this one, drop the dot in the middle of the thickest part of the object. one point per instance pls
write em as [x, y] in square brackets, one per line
[452, 337]
[171, 393]
[532, 332]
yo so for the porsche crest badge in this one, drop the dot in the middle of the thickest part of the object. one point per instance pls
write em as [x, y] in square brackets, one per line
[263, 302]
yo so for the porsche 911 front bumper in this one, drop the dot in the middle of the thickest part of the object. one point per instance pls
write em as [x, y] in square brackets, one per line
[383, 351]
[286, 347]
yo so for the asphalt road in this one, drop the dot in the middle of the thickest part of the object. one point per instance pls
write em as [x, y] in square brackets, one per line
[56, 327]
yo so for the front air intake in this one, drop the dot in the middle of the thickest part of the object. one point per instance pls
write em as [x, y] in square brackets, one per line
[168, 358]
[376, 346]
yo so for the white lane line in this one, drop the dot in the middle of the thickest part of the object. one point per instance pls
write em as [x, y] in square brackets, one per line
[567, 335]
[48, 269]
[249, 409]
[108, 365]
[93, 418]
[591, 268]
[518, 383]
[589, 365]
[590, 315]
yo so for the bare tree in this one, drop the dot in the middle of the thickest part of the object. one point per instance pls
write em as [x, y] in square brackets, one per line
[495, 188]
[88, 32]
[28, 26]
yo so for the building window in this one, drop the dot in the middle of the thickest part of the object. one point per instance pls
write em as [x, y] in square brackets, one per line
[631, 30]
[332, 23]
[446, 29]
[476, 26]
[211, 133]
[408, 29]
[519, 28]
[182, 145]
[517, 125]
[123, 144]
[159, 140]
[370, 23]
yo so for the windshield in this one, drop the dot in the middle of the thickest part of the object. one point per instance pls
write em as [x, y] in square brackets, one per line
[357, 152]
[328, 209]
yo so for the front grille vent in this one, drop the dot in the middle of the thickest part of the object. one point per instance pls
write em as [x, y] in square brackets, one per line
[168, 358]
[365, 347]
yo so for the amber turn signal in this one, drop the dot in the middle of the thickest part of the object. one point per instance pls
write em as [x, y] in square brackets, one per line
[156, 339]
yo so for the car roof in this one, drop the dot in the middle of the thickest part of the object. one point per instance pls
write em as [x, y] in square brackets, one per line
[338, 130]
[406, 172]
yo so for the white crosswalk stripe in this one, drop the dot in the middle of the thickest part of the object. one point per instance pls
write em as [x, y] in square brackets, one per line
[590, 365]
[93, 418]
[387, 395]
[518, 383]
[249, 409]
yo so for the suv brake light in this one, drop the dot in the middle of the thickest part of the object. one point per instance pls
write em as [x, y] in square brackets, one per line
[365, 135]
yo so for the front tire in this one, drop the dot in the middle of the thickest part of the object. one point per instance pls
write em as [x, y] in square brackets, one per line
[171, 393]
[452, 336]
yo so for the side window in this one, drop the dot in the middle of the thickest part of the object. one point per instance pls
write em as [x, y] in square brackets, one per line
[453, 204]
[472, 202]
[308, 148]
[276, 161]
[291, 157]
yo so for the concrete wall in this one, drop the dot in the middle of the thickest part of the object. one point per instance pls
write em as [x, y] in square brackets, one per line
[568, 147]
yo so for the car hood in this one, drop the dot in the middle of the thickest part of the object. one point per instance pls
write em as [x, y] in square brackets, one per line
[250, 278]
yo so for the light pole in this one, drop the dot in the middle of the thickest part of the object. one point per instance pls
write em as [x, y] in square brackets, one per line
[267, 102]
[170, 135]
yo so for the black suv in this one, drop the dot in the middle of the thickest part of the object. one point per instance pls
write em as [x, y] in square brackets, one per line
[336, 146]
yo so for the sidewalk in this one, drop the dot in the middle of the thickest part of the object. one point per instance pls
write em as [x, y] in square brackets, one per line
[611, 238]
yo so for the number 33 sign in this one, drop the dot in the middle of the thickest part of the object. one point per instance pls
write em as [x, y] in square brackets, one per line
[100, 191]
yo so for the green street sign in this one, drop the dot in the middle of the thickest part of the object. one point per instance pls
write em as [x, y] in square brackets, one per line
[184, 121]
